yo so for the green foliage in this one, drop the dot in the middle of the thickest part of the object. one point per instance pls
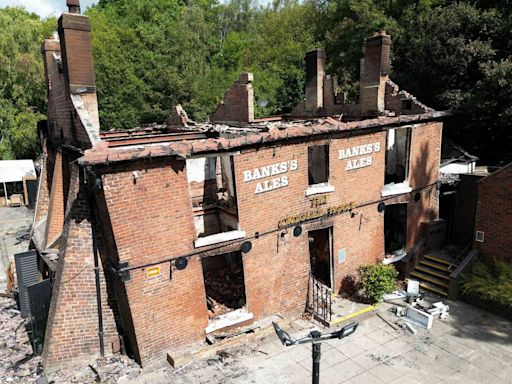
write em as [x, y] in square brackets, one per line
[377, 280]
[22, 88]
[490, 282]
[150, 55]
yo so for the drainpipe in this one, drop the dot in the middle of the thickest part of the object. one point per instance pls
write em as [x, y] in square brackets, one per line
[97, 275]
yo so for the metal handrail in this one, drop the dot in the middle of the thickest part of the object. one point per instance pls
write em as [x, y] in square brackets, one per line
[412, 252]
[460, 256]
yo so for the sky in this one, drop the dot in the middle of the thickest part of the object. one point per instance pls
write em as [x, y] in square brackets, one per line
[45, 7]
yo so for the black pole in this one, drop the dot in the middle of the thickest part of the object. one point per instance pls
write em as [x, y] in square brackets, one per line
[316, 357]
[98, 288]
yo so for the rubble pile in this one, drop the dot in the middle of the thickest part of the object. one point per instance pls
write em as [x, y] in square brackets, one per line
[224, 290]
[110, 369]
[16, 364]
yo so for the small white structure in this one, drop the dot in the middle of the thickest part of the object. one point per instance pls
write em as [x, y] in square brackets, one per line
[14, 171]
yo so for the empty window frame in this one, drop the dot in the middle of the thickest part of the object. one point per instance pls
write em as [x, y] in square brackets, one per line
[212, 189]
[224, 283]
[397, 155]
[318, 164]
[407, 104]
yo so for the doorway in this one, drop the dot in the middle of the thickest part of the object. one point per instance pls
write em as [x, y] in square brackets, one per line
[395, 227]
[320, 255]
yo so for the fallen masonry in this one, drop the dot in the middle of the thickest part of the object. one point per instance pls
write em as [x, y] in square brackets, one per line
[18, 365]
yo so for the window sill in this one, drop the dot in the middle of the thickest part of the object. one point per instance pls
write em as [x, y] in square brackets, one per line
[218, 238]
[395, 189]
[319, 188]
[229, 319]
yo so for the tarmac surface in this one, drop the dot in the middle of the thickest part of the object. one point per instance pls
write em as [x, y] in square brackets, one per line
[15, 224]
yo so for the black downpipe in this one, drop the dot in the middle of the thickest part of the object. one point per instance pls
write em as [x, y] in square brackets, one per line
[97, 276]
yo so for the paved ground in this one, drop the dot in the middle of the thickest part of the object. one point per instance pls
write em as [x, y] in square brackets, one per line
[471, 346]
[14, 223]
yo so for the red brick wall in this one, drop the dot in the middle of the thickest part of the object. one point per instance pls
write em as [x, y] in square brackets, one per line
[237, 105]
[55, 219]
[151, 218]
[268, 282]
[64, 126]
[425, 157]
[148, 206]
[43, 194]
[494, 215]
[72, 330]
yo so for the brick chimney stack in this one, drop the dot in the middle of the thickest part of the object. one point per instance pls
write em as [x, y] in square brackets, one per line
[315, 72]
[375, 69]
[75, 41]
[73, 6]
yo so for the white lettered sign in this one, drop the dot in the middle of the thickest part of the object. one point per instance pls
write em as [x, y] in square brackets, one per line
[358, 150]
[268, 171]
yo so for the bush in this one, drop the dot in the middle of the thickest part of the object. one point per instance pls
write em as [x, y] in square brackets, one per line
[491, 282]
[377, 280]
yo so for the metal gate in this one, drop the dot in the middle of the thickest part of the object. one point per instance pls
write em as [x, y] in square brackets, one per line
[40, 295]
[26, 274]
[319, 300]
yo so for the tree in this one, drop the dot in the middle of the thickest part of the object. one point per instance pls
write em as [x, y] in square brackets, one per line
[22, 85]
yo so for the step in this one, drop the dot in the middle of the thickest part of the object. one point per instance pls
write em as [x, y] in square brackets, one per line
[429, 279]
[438, 260]
[434, 265]
[436, 273]
[431, 288]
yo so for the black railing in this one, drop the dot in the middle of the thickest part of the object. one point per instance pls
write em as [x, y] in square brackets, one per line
[456, 261]
[319, 300]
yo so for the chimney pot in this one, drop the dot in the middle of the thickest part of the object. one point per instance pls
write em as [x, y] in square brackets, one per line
[73, 6]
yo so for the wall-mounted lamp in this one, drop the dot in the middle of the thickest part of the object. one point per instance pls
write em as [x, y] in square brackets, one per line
[417, 197]
[297, 231]
[381, 207]
[246, 247]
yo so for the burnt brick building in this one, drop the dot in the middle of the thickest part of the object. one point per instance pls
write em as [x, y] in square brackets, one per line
[493, 219]
[158, 236]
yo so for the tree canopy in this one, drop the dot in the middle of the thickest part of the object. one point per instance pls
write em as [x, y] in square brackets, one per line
[151, 55]
[22, 90]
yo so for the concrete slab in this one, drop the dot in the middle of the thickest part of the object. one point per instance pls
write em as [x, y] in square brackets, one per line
[451, 352]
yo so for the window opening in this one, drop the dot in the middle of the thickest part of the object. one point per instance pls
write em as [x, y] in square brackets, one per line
[318, 164]
[224, 283]
[212, 189]
[395, 228]
[397, 155]
[320, 254]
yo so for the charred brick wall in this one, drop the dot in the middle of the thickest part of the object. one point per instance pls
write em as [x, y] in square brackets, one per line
[150, 212]
[494, 215]
[72, 330]
[237, 107]
[149, 209]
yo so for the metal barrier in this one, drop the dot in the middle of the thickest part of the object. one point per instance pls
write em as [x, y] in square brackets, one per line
[319, 301]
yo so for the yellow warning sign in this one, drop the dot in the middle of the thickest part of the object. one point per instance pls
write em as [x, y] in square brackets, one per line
[153, 271]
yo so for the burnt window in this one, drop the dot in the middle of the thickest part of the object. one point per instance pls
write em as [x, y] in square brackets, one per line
[397, 155]
[224, 283]
[407, 104]
[318, 164]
